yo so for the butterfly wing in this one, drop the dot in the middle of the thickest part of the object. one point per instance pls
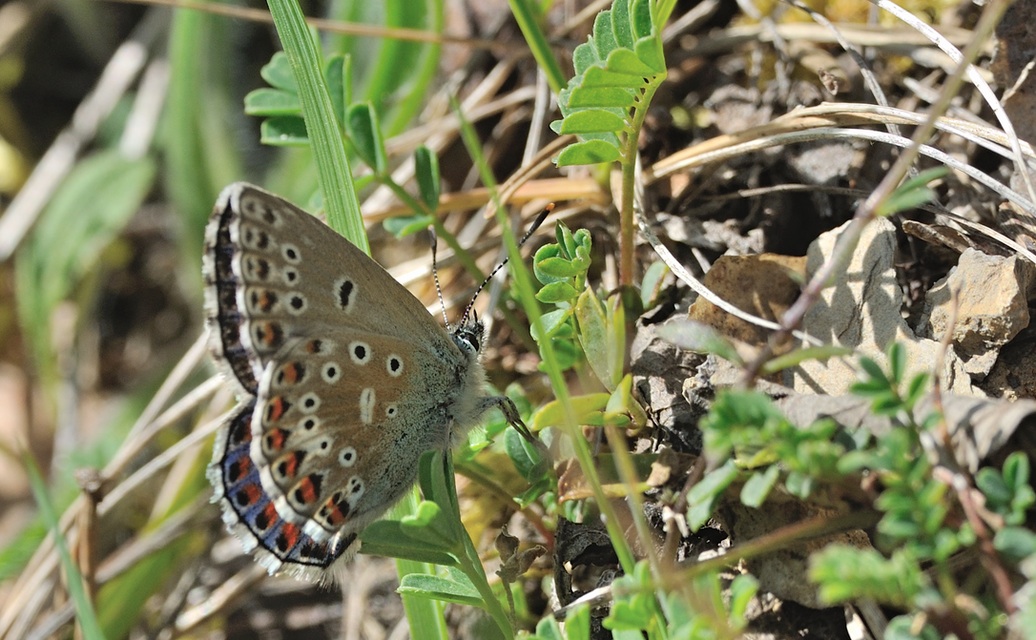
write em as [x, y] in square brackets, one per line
[249, 512]
[272, 271]
[345, 380]
[338, 433]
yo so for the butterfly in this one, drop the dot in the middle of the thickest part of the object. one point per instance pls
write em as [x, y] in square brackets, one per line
[343, 381]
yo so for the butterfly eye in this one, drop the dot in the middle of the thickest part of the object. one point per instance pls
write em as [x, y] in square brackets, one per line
[469, 337]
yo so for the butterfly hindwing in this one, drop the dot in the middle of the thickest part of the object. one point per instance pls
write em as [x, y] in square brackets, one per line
[250, 513]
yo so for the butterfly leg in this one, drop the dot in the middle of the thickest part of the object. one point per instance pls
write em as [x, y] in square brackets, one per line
[513, 419]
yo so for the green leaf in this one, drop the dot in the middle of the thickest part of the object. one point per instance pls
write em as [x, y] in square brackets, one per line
[272, 102]
[600, 97]
[626, 62]
[583, 58]
[799, 485]
[278, 74]
[604, 37]
[603, 78]
[548, 628]
[550, 269]
[714, 483]
[742, 590]
[577, 623]
[872, 369]
[897, 363]
[650, 53]
[550, 323]
[283, 131]
[621, 26]
[1017, 543]
[588, 152]
[527, 460]
[916, 390]
[361, 123]
[86, 617]
[652, 283]
[912, 193]
[402, 226]
[846, 573]
[429, 181]
[336, 75]
[592, 121]
[993, 486]
[640, 18]
[758, 486]
[556, 292]
[553, 413]
[439, 588]
[623, 409]
[798, 356]
[602, 336]
[430, 525]
[386, 538]
[698, 337]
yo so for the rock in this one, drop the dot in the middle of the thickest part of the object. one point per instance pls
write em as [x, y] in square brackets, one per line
[758, 284]
[992, 307]
[862, 309]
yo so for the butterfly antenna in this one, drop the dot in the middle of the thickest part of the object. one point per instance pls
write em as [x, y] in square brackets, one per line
[435, 277]
[535, 225]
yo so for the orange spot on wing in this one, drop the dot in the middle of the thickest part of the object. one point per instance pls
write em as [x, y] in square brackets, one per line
[275, 439]
[336, 513]
[288, 537]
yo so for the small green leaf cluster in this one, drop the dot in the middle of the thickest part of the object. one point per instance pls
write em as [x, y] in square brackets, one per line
[360, 126]
[281, 107]
[584, 328]
[704, 609]
[561, 268]
[922, 525]
[891, 394]
[435, 534]
[765, 446]
[616, 72]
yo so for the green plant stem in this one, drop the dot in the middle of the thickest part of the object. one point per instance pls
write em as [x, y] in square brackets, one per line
[424, 615]
[628, 474]
[474, 473]
[528, 21]
[343, 208]
[629, 175]
[626, 224]
[86, 616]
[441, 231]
[778, 539]
[523, 284]
[470, 563]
